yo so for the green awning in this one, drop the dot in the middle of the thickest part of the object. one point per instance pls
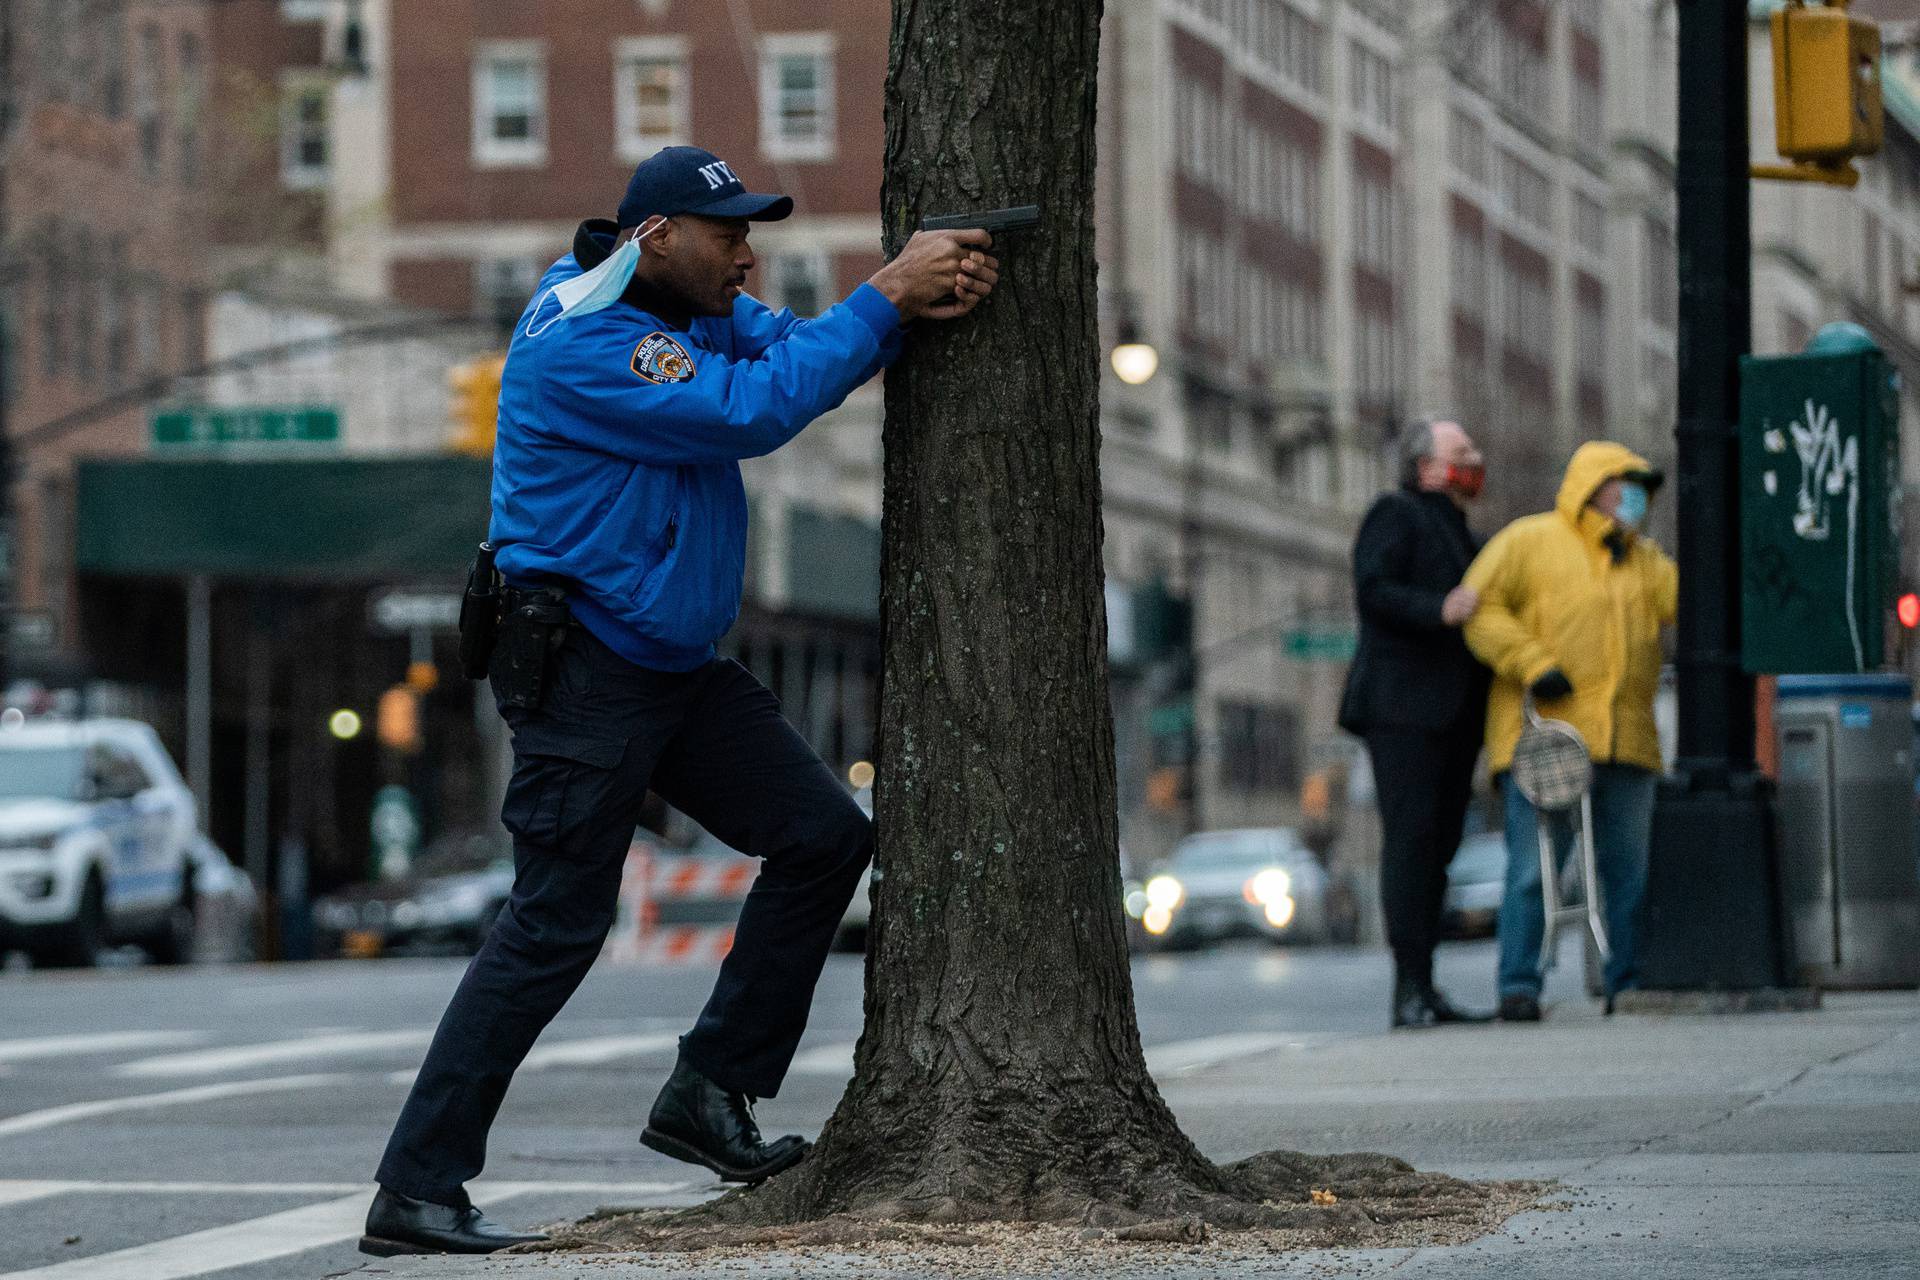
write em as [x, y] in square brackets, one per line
[328, 519]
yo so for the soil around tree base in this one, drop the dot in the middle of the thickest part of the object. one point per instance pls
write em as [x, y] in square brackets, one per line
[1291, 1202]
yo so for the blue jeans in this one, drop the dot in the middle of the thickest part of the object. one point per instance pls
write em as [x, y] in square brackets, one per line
[1622, 828]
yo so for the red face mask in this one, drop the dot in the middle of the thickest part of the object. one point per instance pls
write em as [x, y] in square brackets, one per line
[1466, 480]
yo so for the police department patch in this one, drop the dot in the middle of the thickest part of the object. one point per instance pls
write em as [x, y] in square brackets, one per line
[660, 359]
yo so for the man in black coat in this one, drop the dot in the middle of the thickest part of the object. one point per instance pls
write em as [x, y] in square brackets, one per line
[1417, 696]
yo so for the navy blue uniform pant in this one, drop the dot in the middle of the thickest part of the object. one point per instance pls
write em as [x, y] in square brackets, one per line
[713, 743]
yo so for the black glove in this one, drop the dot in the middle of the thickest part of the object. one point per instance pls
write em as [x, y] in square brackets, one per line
[1551, 687]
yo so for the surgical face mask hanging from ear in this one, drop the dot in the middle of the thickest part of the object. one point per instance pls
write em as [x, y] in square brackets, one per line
[1631, 510]
[594, 290]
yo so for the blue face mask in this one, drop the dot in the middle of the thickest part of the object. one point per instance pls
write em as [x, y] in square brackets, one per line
[594, 290]
[1632, 508]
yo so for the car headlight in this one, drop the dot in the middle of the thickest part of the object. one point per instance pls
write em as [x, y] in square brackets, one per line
[451, 906]
[1165, 892]
[1268, 887]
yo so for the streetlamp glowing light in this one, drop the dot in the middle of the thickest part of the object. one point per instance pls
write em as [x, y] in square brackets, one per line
[1135, 362]
[344, 724]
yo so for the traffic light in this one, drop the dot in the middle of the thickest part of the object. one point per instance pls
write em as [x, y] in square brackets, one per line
[397, 720]
[475, 406]
[1826, 92]
[1907, 609]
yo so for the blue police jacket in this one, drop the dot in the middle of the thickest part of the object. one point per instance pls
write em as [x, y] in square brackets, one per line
[616, 465]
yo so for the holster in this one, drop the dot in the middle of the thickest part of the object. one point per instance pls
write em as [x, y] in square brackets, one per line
[479, 615]
[533, 626]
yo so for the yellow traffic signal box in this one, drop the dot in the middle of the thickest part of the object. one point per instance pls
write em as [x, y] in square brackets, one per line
[475, 407]
[1826, 83]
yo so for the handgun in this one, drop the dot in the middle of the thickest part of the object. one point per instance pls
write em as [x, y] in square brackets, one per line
[1020, 217]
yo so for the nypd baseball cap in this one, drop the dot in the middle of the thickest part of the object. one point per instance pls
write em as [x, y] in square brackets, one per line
[688, 180]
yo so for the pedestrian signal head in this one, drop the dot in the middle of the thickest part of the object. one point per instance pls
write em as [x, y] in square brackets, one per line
[1908, 610]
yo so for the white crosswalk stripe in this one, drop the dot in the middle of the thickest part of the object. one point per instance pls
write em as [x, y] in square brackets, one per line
[827, 1060]
[597, 1049]
[279, 1235]
[103, 1042]
[1179, 1057]
[29, 1121]
[207, 1062]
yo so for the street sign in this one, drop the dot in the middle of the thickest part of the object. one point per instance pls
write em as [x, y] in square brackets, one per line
[205, 425]
[399, 612]
[1322, 646]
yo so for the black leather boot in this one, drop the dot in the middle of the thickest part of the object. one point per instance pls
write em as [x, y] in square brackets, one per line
[1411, 1007]
[696, 1120]
[401, 1224]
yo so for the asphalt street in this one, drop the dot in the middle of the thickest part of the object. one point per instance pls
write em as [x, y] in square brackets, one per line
[161, 1123]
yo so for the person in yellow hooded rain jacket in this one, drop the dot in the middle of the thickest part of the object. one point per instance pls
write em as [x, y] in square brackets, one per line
[1571, 606]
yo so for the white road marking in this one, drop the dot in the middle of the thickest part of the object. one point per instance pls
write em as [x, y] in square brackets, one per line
[21, 1192]
[598, 1049]
[1180, 1056]
[587, 1052]
[313, 1226]
[827, 1060]
[29, 1121]
[105, 1042]
[207, 1062]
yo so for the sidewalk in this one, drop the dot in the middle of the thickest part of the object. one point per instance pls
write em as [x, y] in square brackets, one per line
[1776, 1145]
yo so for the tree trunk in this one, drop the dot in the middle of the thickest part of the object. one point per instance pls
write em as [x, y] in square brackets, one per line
[1000, 1075]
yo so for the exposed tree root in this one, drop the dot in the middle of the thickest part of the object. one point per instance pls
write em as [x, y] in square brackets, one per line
[1279, 1199]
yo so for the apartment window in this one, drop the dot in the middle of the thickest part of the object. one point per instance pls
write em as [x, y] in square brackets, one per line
[796, 96]
[1373, 218]
[502, 287]
[305, 10]
[1370, 86]
[1286, 41]
[112, 283]
[1590, 331]
[1526, 312]
[1279, 181]
[146, 329]
[10, 341]
[1200, 127]
[1522, 71]
[1468, 264]
[1467, 147]
[650, 95]
[1206, 290]
[799, 282]
[1659, 275]
[1590, 224]
[111, 28]
[1525, 192]
[85, 316]
[146, 100]
[303, 132]
[510, 104]
[1376, 360]
[193, 95]
[1589, 128]
[53, 308]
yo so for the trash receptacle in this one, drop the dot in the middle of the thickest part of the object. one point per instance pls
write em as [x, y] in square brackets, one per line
[1849, 857]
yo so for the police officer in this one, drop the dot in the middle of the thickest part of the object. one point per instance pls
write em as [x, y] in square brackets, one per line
[638, 377]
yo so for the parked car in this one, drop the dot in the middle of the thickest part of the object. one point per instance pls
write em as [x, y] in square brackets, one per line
[1257, 882]
[444, 905]
[1476, 881]
[95, 832]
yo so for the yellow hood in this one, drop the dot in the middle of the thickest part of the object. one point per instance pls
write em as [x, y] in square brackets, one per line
[1592, 465]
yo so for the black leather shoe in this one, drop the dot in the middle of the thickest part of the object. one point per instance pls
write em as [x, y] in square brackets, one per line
[696, 1120]
[1519, 1008]
[1411, 1005]
[401, 1224]
[1445, 1010]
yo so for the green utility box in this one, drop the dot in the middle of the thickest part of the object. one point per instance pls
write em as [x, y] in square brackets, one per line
[1819, 476]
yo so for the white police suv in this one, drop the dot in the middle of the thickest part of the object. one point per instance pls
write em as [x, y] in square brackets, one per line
[95, 830]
